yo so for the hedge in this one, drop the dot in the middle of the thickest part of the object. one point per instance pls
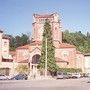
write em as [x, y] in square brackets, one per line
[70, 70]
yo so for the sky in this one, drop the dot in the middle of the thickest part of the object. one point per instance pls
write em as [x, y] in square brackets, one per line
[16, 15]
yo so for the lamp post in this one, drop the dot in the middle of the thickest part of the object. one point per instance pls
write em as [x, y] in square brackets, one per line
[46, 58]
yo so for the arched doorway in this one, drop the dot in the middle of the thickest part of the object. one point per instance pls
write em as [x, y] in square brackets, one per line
[35, 59]
[35, 62]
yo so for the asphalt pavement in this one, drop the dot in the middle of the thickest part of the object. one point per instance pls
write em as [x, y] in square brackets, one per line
[46, 84]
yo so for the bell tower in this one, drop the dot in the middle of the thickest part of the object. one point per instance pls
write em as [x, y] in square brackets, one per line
[38, 23]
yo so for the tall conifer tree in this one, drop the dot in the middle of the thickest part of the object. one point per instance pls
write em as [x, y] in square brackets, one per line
[51, 64]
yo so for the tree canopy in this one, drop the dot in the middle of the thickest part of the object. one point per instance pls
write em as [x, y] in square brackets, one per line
[18, 41]
[81, 41]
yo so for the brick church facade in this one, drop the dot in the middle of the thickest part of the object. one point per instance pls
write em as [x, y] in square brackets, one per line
[66, 55]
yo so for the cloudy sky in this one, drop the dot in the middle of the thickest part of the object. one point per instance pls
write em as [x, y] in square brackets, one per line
[16, 15]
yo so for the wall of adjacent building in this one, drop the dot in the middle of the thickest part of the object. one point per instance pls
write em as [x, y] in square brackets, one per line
[5, 48]
[80, 61]
[87, 64]
[4, 54]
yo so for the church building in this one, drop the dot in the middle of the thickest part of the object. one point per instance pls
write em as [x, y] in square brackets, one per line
[66, 55]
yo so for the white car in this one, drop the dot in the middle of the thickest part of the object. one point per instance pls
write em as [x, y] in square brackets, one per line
[3, 77]
[76, 75]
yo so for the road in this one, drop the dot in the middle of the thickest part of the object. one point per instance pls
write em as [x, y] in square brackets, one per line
[64, 84]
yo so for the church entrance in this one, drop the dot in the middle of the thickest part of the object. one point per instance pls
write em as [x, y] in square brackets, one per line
[35, 61]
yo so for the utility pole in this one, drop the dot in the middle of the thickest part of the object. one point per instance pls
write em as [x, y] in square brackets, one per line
[46, 59]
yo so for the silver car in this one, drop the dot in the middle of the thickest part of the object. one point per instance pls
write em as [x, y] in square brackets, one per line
[62, 76]
[76, 75]
[3, 77]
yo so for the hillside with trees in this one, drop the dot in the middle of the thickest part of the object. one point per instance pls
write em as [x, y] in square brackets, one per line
[18, 40]
[80, 40]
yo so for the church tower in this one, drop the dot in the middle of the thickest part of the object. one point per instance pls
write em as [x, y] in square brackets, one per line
[38, 23]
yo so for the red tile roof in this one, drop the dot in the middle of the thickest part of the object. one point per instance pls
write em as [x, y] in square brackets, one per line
[36, 43]
[87, 54]
[43, 16]
[66, 45]
[31, 44]
[78, 52]
[23, 61]
[62, 45]
[24, 47]
[12, 52]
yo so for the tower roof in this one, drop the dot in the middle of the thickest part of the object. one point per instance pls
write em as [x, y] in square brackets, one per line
[87, 54]
[44, 15]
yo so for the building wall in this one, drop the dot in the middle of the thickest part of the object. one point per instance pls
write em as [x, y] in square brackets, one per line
[10, 65]
[21, 54]
[67, 54]
[7, 65]
[62, 64]
[80, 61]
[24, 54]
[87, 64]
[5, 48]
[4, 54]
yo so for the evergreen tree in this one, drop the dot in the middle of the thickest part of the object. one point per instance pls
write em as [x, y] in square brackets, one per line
[51, 64]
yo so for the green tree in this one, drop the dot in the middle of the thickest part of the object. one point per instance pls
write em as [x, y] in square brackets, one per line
[12, 43]
[51, 64]
[21, 40]
[24, 39]
[18, 40]
[81, 41]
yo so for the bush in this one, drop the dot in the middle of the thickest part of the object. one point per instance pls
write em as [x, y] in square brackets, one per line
[70, 70]
[22, 68]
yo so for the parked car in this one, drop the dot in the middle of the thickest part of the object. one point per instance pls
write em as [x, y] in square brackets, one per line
[3, 77]
[19, 77]
[62, 75]
[86, 74]
[76, 75]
